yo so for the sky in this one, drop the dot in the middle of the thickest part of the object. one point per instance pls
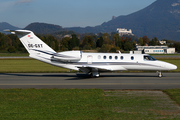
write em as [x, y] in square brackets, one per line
[67, 13]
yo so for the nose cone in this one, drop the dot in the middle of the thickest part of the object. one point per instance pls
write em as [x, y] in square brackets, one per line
[171, 66]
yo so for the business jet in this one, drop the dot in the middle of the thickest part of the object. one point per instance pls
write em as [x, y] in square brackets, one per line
[90, 63]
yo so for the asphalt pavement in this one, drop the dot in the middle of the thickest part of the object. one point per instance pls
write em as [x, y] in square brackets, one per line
[136, 81]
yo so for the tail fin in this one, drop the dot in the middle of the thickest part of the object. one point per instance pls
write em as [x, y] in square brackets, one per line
[32, 43]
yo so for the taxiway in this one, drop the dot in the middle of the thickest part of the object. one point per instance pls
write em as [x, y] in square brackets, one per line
[137, 81]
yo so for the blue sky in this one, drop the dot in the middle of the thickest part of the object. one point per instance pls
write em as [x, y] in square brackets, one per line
[66, 13]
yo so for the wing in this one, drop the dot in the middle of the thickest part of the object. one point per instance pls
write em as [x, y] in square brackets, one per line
[99, 68]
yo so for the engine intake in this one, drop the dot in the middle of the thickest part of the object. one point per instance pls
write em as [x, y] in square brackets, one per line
[67, 56]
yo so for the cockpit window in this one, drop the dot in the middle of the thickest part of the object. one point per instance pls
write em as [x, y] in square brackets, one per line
[147, 57]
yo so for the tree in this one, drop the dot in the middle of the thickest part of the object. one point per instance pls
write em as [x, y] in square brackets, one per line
[12, 49]
[106, 39]
[99, 42]
[77, 41]
[65, 43]
[117, 40]
[5, 42]
[177, 46]
[127, 44]
[103, 49]
[154, 41]
[112, 50]
[52, 42]
[140, 41]
[73, 42]
[145, 40]
[88, 42]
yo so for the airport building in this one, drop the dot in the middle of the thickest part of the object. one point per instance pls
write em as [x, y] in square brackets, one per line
[123, 31]
[155, 49]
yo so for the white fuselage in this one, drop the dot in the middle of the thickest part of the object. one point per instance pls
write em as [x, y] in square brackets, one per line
[110, 62]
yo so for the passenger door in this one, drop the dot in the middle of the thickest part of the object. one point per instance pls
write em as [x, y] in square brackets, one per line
[89, 59]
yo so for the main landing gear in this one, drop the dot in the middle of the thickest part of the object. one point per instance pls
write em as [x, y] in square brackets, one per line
[94, 74]
[159, 74]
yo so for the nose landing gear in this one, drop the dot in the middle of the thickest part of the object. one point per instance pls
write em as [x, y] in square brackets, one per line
[159, 74]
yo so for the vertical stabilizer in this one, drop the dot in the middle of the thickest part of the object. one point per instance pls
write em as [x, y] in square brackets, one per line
[32, 43]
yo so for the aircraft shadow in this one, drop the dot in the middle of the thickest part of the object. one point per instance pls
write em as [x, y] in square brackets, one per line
[35, 75]
[85, 76]
[78, 76]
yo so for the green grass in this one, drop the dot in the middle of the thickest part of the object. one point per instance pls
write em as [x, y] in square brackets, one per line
[139, 105]
[83, 104]
[175, 62]
[164, 54]
[174, 94]
[13, 54]
[27, 65]
[18, 104]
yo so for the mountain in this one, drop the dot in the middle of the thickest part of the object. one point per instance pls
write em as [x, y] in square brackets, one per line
[44, 28]
[4, 25]
[161, 19]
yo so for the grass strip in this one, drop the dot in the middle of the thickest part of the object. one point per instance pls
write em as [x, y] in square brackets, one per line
[31, 65]
[174, 94]
[18, 104]
[139, 105]
[175, 62]
[27, 66]
[164, 54]
[91, 104]
[14, 54]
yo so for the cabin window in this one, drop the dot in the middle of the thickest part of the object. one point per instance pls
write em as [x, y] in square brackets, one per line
[99, 57]
[116, 57]
[104, 57]
[132, 57]
[122, 57]
[110, 57]
[150, 58]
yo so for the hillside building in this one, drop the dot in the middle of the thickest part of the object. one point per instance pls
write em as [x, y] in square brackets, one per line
[123, 31]
[162, 42]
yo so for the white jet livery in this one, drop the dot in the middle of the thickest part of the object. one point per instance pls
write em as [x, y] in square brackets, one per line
[90, 63]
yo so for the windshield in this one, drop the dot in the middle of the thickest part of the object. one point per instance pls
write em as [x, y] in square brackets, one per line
[147, 57]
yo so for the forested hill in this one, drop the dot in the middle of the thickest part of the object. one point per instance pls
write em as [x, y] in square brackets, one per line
[44, 28]
[161, 19]
[5, 25]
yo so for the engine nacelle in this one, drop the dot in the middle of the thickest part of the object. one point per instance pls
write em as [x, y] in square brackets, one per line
[67, 56]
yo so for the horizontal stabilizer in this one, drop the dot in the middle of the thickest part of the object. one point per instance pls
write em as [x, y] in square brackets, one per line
[18, 31]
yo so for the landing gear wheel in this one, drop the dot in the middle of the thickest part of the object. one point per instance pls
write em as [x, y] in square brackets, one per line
[94, 75]
[160, 74]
